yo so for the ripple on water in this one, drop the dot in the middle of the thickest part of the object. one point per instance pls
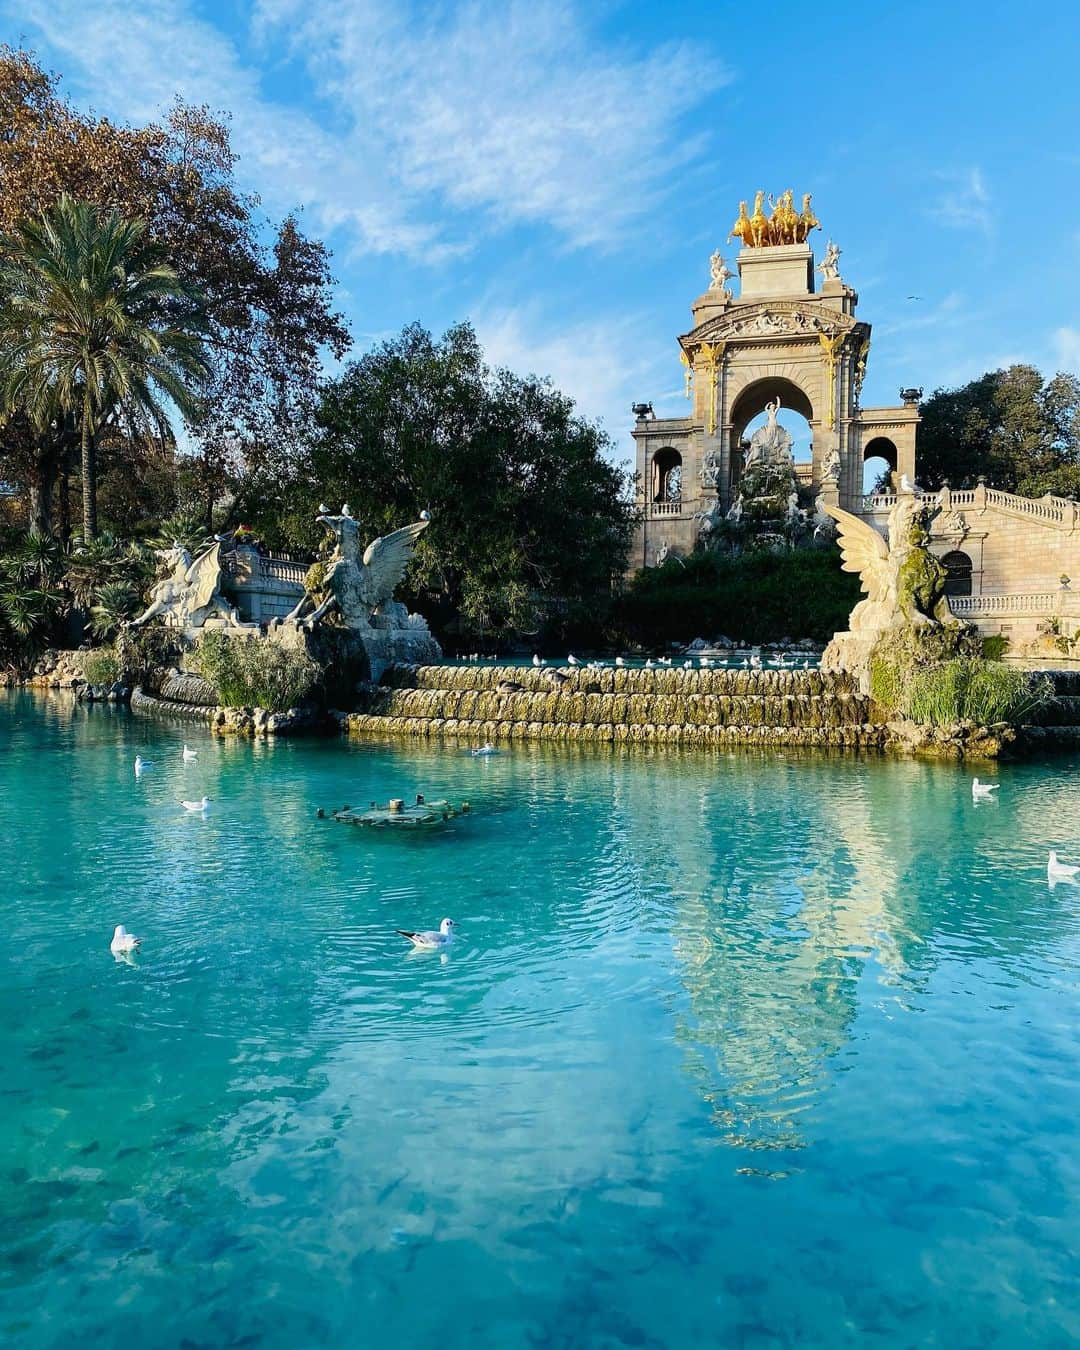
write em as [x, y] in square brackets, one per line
[749, 1049]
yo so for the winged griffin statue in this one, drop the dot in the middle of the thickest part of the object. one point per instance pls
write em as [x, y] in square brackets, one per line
[903, 582]
[190, 593]
[356, 586]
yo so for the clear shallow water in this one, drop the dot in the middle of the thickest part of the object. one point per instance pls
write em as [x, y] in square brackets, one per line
[731, 1051]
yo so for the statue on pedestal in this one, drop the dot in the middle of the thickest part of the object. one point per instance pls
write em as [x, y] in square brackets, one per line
[770, 444]
[719, 275]
[829, 267]
[357, 587]
[191, 592]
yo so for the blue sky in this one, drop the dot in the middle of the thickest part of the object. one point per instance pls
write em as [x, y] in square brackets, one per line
[560, 172]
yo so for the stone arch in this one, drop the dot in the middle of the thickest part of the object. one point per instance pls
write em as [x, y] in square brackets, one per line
[666, 475]
[753, 396]
[881, 447]
[958, 567]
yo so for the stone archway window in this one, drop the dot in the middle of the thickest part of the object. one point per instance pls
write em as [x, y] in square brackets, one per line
[881, 448]
[667, 475]
[958, 573]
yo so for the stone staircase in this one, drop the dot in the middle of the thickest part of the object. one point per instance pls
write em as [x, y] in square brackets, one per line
[662, 706]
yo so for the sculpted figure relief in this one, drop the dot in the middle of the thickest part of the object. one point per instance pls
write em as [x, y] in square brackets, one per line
[770, 444]
[355, 587]
[784, 226]
[829, 267]
[904, 583]
[742, 229]
[190, 592]
[719, 275]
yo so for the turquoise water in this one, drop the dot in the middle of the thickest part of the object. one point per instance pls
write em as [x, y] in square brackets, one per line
[731, 1050]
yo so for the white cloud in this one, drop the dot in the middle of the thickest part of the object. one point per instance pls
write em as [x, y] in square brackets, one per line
[514, 112]
[1067, 349]
[965, 204]
[510, 108]
[604, 364]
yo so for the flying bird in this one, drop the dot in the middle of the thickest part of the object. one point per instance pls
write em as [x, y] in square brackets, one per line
[429, 940]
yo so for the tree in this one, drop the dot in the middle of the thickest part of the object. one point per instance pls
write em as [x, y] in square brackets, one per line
[269, 313]
[94, 324]
[530, 521]
[1021, 432]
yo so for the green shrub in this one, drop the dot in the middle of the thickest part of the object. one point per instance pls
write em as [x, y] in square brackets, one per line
[995, 646]
[964, 689]
[102, 666]
[759, 596]
[252, 673]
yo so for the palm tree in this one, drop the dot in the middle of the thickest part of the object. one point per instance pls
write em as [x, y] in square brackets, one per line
[93, 322]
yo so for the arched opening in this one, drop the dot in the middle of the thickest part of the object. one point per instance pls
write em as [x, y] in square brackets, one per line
[667, 475]
[879, 464]
[958, 573]
[795, 416]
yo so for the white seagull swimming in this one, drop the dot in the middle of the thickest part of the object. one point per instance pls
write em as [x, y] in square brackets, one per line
[196, 806]
[141, 765]
[486, 749]
[572, 660]
[982, 792]
[1056, 871]
[431, 941]
[538, 660]
[189, 754]
[123, 943]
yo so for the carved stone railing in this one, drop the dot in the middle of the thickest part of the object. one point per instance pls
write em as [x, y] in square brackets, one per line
[1039, 602]
[1057, 512]
[665, 508]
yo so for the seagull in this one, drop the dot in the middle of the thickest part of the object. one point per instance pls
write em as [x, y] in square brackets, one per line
[324, 510]
[123, 943]
[649, 664]
[430, 941]
[538, 660]
[688, 665]
[196, 806]
[620, 662]
[141, 765]
[982, 792]
[346, 512]
[914, 297]
[486, 749]
[425, 515]
[906, 485]
[189, 755]
[572, 660]
[1056, 871]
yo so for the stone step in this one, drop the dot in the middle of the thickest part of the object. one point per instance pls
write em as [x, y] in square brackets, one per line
[869, 736]
[662, 680]
[654, 709]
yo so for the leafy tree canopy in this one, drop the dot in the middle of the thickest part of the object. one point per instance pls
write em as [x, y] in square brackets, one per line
[530, 521]
[267, 288]
[1022, 432]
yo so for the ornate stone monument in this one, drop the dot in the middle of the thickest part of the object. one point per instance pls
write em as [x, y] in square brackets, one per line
[903, 582]
[778, 344]
[189, 595]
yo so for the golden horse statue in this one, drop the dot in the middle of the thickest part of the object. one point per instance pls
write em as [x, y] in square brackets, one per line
[759, 222]
[742, 229]
[807, 221]
[784, 220]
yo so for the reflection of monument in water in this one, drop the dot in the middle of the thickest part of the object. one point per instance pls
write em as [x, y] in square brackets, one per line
[779, 344]
[773, 949]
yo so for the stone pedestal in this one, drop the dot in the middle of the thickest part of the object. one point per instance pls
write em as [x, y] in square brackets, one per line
[782, 269]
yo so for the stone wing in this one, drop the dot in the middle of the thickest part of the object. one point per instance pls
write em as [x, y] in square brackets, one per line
[863, 550]
[385, 560]
[204, 575]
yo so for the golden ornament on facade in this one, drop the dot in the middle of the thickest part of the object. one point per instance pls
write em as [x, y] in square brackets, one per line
[784, 226]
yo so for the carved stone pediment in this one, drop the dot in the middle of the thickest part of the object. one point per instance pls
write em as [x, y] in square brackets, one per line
[771, 319]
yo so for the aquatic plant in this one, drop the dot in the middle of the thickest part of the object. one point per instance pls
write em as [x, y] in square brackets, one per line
[248, 673]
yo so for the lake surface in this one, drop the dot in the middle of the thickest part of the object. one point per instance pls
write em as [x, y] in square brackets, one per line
[731, 1050]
